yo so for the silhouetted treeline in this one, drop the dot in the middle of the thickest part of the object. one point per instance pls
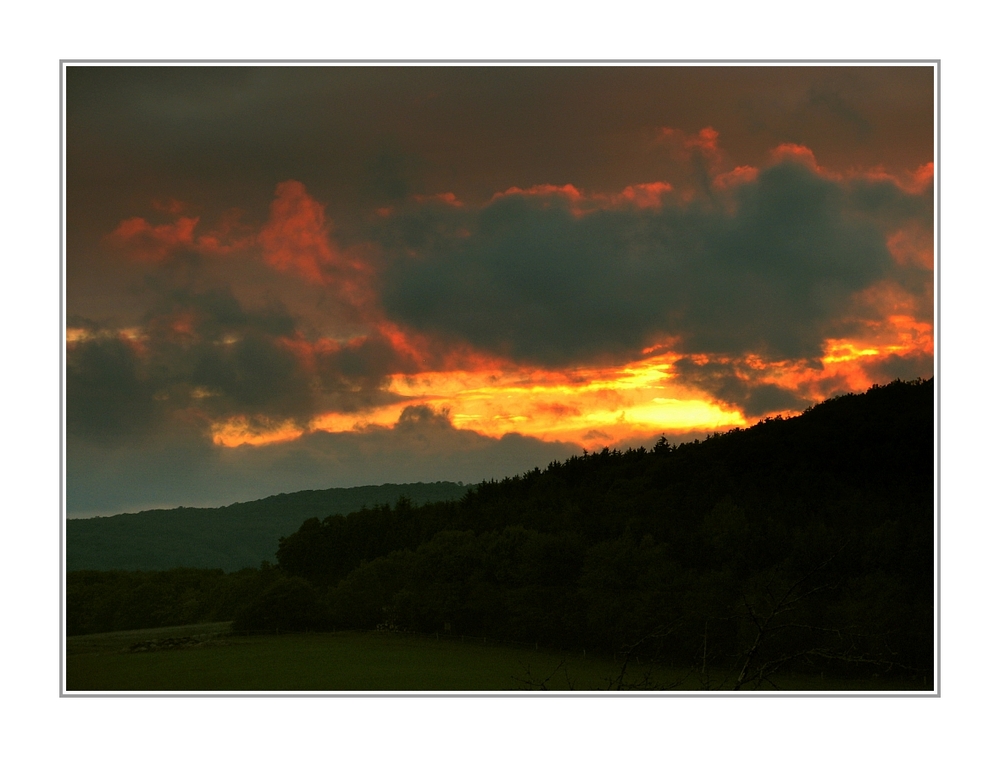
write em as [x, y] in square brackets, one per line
[119, 600]
[803, 543]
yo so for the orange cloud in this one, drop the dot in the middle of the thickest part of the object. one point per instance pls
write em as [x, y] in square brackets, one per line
[253, 431]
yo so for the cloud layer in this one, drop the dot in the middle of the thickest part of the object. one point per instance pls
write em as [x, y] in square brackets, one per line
[362, 275]
[534, 280]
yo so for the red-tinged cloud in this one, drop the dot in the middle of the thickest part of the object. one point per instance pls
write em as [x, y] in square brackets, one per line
[296, 239]
[705, 141]
[579, 203]
[912, 182]
[229, 235]
[923, 177]
[153, 243]
[699, 153]
[913, 245]
[799, 153]
[548, 196]
[143, 241]
[296, 236]
[735, 177]
[648, 195]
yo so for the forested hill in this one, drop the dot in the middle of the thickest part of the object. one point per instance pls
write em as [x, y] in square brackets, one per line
[238, 536]
[804, 542]
[846, 465]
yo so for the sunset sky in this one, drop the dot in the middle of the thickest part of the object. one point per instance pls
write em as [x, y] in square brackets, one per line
[285, 278]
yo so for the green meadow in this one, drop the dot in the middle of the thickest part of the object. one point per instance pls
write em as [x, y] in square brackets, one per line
[207, 658]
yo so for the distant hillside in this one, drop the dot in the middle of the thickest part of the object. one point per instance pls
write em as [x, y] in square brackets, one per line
[240, 535]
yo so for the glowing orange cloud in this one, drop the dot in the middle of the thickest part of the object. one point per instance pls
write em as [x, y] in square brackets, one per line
[599, 406]
[240, 430]
[591, 407]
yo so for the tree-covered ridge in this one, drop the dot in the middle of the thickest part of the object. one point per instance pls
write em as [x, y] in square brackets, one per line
[238, 536]
[851, 462]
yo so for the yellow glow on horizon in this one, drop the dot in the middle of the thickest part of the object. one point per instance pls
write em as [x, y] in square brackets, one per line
[602, 406]
[586, 406]
[607, 404]
[837, 351]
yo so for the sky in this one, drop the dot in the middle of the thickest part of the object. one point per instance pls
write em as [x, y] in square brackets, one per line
[285, 278]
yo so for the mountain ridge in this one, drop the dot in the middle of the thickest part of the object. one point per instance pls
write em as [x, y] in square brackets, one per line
[235, 536]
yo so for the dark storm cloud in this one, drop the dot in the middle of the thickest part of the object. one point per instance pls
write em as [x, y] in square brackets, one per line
[202, 356]
[216, 138]
[196, 301]
[110, 393]
[254, 375]
[737, 385]
[907, 367]
[217, 312]
[422, 446]
[537, 282]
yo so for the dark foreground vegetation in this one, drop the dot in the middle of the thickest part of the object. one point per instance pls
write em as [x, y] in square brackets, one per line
[798, 547]
[208, 658]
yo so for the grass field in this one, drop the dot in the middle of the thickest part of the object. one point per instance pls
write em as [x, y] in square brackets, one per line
[207, 658]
